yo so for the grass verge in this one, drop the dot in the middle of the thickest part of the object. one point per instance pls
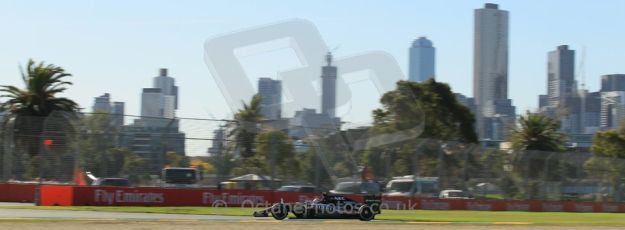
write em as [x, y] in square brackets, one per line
[469, 217]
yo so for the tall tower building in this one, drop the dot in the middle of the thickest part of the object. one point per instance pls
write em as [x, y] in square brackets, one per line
[271, 93]
[328, 87]
[118, 112]
[490, 67]
[152, 103]
[561, 83]
[422, 60]
[167, 85]
[162, 99]
[494, 111]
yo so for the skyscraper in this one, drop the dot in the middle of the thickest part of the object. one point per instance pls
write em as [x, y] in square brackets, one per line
[328, 87]
[167, 85]
[118, 113]
[561, 83]
[613, 82]
[422, 60]
[162, 99]
[157, 131]
[490, 67]
[271, 93]
[490, 71]
[102, 103]
[152, 102]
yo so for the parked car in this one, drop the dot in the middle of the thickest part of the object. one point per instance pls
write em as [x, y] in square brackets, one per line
[412, 186]
[454, 194]
[116, 182]
[297, 188]
[368, 188]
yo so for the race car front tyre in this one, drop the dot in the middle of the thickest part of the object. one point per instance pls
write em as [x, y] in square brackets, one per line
[279, 211]
[365, 213]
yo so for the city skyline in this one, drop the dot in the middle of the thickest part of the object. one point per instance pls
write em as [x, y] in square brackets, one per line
[180, 51]
[530, 39]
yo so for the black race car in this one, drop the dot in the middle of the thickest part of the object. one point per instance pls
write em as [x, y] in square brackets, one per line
[328, 207]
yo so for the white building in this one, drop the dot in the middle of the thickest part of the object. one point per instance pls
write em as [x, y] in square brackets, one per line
[490, 72]
[102, 103]
[152, 103]
[162, 100]
[612, 109]
[490, 67]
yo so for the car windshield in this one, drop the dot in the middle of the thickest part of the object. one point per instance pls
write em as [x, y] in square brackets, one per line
[351, 187]
[456, 194]
[400, 186]
[287, 189]
[429, 187]
[357, 187]
[180, 176]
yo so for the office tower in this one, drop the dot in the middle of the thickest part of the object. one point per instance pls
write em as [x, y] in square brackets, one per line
[102, 103]
[218, 144]
[308, 122]
[152, 102]
[561, 83]
[157, 131]
[117, 112]
[613, 82]
[162, 99]
[490, 72]
[592, 112]
[612, 109]
[421, 60]
[328, 87]
[167, 85]
[270, 92]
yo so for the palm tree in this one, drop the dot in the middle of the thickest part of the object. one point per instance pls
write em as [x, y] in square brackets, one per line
[30, 106]
[42, 83]
[538, 132]
[246, 126]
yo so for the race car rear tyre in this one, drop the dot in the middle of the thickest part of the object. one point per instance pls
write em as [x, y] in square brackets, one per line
[279, 211]
[365, 213]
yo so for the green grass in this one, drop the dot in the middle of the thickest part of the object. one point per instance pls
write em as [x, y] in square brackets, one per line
[475, 217]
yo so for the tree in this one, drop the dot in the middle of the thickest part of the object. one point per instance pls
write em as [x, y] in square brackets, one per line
[536, 131]
[537, 136]
[100, 154]
[205, 166]
[42, 83]
[608, 158]
[176, 160]
[275, 151]
[29, 107]
[433, 107]
[429, 104]
[246, 126]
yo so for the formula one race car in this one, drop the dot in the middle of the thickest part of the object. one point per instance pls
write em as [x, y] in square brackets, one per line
[328, 207]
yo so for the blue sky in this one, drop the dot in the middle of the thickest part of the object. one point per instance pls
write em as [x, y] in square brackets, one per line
[118, 46]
